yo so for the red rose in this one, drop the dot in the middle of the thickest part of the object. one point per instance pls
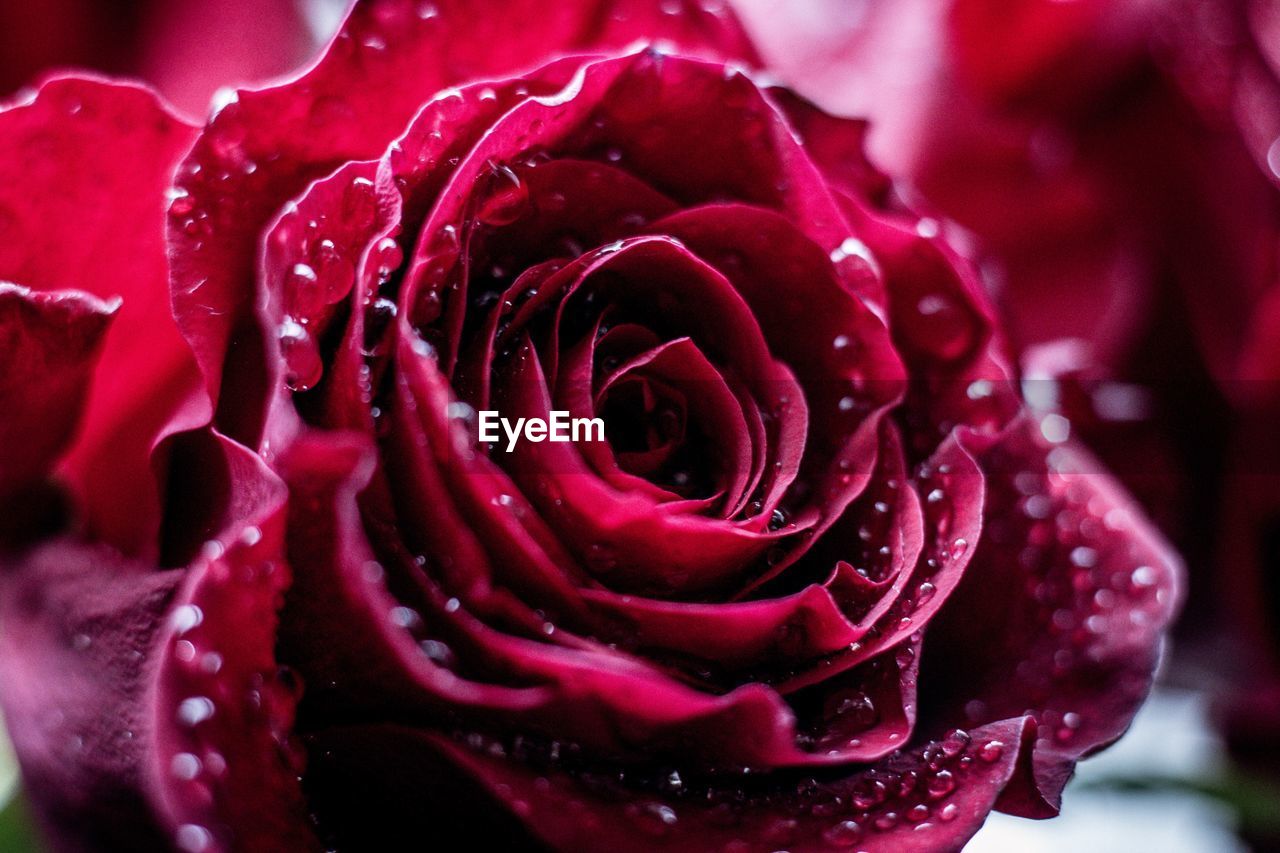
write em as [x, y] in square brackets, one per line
[823, 583]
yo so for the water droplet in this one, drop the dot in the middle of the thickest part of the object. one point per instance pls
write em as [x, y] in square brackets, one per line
[940, 784]
[856, 707]
[852, 248]
[192, 839]
[941, 326]
[956, 740]
[506, 197]
[301, 355]
[185, 766]
[1055, 428]
[333, 271]
[360, 203]
[302, 276]
[389, 257]
[405, 617]
[868, 793]
[991, 751]
[185, 618]
[180, 202]
[979, 389]
[195, 710]
[657, 818]
[438, 652]
[843, 834]
[1143, 576]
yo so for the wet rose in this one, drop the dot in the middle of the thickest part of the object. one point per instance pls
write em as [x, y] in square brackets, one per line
[823, 583]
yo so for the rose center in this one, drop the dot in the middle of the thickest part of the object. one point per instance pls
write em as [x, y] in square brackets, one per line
[648, 427]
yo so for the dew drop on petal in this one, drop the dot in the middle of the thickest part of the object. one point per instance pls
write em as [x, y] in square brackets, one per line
[506, 198]
[195, 710]
[192, 839]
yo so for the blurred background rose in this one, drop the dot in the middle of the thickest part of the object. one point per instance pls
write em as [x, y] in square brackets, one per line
[1112, 166]
[187, 49]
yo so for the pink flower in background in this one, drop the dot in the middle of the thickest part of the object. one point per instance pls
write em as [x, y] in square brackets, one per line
[187, 49]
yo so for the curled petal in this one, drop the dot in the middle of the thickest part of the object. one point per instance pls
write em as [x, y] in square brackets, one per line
[84, 167]
[49, 344]
[930, 798]
[1062, 610]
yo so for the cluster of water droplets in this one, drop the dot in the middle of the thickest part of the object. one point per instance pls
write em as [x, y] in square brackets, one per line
[914, 791]
[216, 699]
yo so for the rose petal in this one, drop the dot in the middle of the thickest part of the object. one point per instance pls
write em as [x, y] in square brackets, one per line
[76, 624]
[1074, 589]
[358, 785]
[49, 344]
[83, 170]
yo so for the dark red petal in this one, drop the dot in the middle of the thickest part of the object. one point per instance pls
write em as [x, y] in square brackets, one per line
[943, 325]
[709, 401]
[49, 344]
[446, 469]
[952, 487]
[865, 713]
[1061, 612]
[919, 801]
[329, 245]
[734, 636]
[146, 705]
[1008, 51]
[374, 662]
[76, 626]
[620, 535]
[843, 359]
[225, 766]
[83, 173]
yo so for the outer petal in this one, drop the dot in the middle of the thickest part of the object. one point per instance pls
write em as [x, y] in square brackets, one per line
[1061, 611]
[77, 622]
[913, 801]
[83, 171]
[48, 346]
[146, 705]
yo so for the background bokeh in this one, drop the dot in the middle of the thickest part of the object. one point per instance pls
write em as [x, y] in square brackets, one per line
[1111, 166]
